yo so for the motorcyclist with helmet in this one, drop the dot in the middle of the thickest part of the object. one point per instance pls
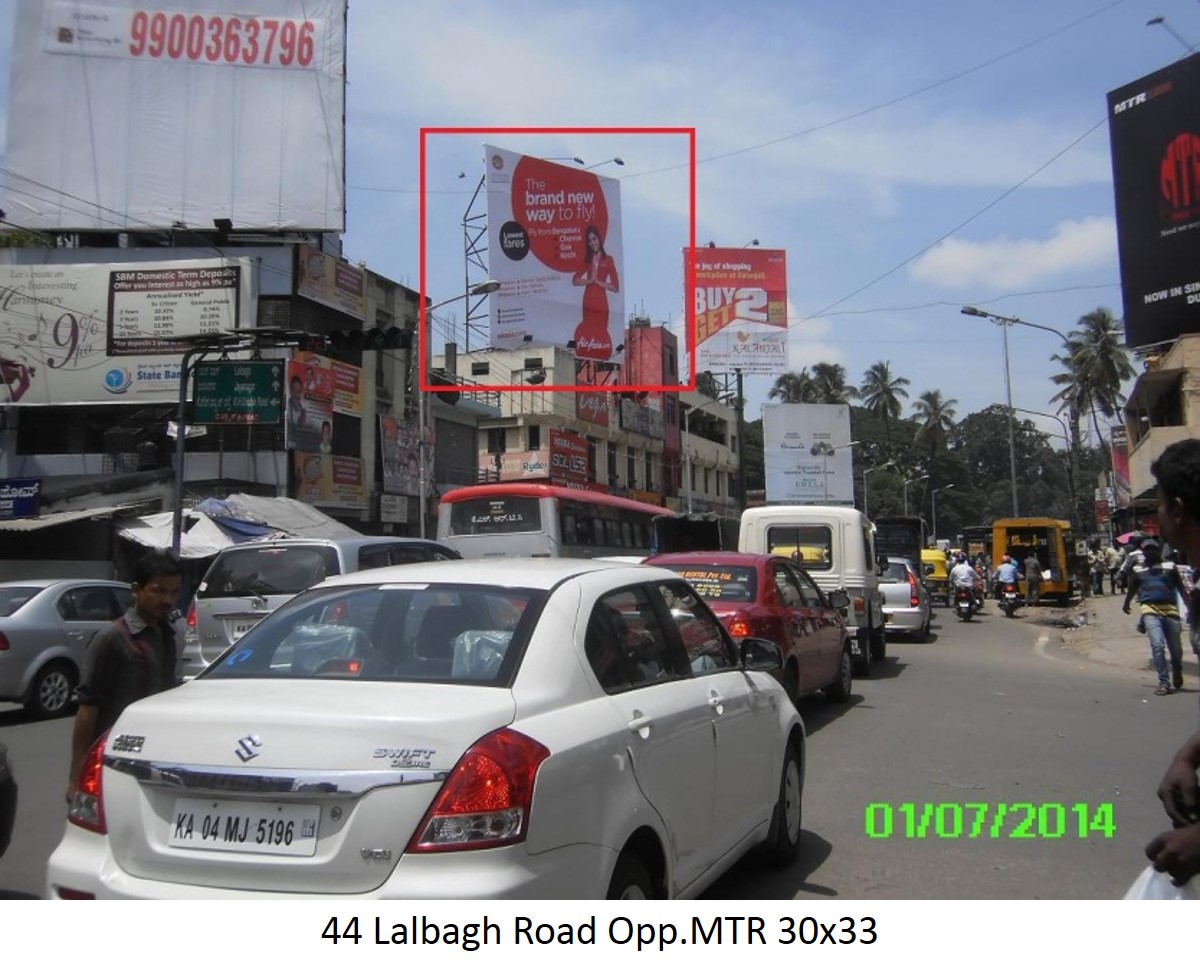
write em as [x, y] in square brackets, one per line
[962, 576]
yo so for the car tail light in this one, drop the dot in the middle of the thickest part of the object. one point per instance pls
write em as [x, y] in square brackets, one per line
[3, 642]
[486, 801]
[860, 604]
[87, 800]
[73, 893]
[739, 626]
[191, 620]
[914, 595]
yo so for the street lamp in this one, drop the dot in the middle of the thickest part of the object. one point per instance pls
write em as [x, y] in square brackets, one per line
[1006, 322]
[479, 289]
[1154, 21]
[933, 508]
[872, 469]
[592, 166]
[826, 452]
[912, 479]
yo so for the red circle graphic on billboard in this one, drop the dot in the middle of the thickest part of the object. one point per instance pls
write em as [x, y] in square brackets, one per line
[556, 205]
[1179, 173]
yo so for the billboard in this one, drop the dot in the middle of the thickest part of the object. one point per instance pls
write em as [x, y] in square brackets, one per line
[331, 281]
[1154, 129]
[740, 302]
[807, 454]
[330, 481]
[210, 108]
[309, 422]
[554, 245]
[73, 334]
[1119, 448]
[401, 452]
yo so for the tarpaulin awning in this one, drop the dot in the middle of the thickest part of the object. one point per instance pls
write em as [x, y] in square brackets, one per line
[202, 537]
[53, 520]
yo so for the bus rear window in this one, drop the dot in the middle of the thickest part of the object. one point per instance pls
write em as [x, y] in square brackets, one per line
[500, 515]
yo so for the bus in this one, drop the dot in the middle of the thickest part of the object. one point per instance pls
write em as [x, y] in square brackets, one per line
[538, 520]
[901, 537]
[1048, 538]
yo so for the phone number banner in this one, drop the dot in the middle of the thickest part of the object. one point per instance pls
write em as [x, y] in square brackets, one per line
[74, 334]
[740, 304]
[554, 245]
[208, 110]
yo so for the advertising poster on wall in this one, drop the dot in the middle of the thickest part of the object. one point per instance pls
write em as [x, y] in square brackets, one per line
[331, 281]
[74, 334]
[330, 481]
[807, 455]
[347, 382]
[1154, 130]
[400, 446]
[740, 304]
[309, 424]
[1119, 447]
[259, 143]
[554, 244]
[568, 459]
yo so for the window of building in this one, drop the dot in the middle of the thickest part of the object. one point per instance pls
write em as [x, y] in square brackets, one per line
[630, 468]
[535, 438]
[612, 464]
[706, 479]
[497, 441]
[593, 452]
[649, 479]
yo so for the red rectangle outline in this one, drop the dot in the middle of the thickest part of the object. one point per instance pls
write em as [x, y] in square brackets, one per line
[689, 312]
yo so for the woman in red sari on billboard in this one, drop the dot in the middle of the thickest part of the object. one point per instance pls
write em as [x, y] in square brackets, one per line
[598, 278]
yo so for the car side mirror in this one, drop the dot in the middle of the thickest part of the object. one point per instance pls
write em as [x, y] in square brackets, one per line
[759, 654]
[839, 600]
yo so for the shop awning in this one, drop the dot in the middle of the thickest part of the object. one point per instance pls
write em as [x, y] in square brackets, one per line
[53, 520]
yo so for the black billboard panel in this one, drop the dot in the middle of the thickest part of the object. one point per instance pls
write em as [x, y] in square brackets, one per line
[1154, 127]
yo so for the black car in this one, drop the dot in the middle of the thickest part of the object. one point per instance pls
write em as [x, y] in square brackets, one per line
[8, 800]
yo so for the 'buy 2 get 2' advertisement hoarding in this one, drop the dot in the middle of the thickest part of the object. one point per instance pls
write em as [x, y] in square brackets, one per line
[740, 304]
[554, 245]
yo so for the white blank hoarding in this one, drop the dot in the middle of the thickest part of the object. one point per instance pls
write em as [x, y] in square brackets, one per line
[807, 454]
[124, 116]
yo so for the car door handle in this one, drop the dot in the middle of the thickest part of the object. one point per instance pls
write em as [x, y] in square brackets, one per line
[75, 634]
[640, 724]
[717, 703]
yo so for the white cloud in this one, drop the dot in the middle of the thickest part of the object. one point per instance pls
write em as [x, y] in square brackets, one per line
[1005, 263]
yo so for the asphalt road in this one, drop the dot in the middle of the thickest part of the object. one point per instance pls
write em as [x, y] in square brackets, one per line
[990, 712]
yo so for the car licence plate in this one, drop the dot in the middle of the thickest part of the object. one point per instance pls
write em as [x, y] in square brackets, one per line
[252, 828]
[242, 628]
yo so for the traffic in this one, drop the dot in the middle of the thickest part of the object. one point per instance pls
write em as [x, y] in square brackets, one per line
[368, 718]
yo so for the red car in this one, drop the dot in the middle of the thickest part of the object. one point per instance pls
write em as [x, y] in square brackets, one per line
[773, 598]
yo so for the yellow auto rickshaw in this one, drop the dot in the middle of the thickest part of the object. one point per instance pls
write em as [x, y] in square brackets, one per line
[937, 581]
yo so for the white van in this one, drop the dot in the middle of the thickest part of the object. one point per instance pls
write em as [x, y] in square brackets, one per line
[836, 546]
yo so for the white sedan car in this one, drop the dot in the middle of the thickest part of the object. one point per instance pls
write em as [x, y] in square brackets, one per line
[469, 729]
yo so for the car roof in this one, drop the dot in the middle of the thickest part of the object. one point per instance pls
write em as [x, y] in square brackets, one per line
[736, 558]
[535, 573]
[332, 542]
[45, 583]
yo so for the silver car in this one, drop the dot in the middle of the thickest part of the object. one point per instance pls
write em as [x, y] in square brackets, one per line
[45, 629]
[907, 609]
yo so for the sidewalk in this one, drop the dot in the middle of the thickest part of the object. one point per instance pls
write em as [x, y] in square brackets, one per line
[1097, 629]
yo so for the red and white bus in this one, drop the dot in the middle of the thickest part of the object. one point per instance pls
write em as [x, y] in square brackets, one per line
[538, 520]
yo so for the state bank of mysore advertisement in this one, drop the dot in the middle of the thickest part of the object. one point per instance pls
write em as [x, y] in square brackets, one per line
[740, 303]
[554, 245]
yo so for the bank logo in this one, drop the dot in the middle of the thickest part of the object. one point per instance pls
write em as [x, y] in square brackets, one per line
[118, 381]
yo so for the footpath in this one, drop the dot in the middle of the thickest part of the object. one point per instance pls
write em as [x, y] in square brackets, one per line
[1097, 629]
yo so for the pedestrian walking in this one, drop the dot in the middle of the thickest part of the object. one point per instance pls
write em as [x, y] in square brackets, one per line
[1156, 583]
[1113, 556]
[131, 659]
[1177, 851]
[1033, 579]
[1098, 567]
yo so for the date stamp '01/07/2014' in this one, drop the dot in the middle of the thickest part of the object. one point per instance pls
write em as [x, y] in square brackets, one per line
[1013, 821]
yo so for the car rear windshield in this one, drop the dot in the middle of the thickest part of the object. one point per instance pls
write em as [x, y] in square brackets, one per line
[269, 570]
[719, 583]
[13, 597]
[436, 633]
[897, 571]
[811, 545]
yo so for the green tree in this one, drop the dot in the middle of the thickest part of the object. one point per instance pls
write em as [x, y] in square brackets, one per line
[935, 414]
[881, 392]
[707, 385]
[1100, 365]
[794, 388]
[829, 381]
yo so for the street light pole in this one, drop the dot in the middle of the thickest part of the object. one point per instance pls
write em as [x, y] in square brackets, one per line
[933, 508]
[423, 354]
[825, 454]
[1004, 322]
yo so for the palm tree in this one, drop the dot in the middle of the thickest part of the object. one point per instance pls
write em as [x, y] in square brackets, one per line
[1100, 365]
[935, 414]
[881, 393]
[830, 383]
[793, 388]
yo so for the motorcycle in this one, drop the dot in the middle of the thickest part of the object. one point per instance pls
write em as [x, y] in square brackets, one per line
[964, 603]
[1009, 598]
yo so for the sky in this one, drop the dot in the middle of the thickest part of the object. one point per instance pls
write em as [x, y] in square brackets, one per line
[910, 158]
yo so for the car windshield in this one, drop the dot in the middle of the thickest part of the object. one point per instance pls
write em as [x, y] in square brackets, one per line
[897, 571]
[13, 597]
[719, 583]
[269, 570]
[435, 633]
